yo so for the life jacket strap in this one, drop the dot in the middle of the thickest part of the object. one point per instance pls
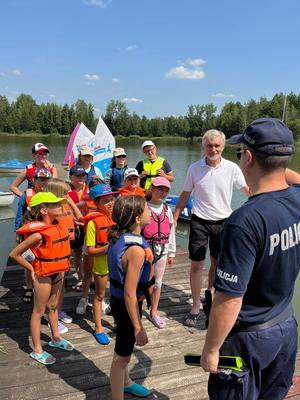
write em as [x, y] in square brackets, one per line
[60, 240]
[53, 259]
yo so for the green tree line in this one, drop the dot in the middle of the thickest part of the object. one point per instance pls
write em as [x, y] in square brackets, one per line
[25, 115]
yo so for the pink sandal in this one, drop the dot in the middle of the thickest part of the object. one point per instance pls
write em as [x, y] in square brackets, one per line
[157, 321]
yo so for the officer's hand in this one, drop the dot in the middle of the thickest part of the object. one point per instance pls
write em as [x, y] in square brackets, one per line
[209, 361]
[161, 172]
[143, 174]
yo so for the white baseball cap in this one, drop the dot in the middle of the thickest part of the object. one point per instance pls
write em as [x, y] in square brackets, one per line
[130, 172]
[147, 143]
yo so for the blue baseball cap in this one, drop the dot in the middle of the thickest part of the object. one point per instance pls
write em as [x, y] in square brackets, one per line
[100, 190]
[267, 135]
[77, 170]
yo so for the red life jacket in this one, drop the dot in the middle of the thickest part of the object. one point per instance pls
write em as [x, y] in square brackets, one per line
[31, 168]
[158, 231]
[53, 255]
[102, 223]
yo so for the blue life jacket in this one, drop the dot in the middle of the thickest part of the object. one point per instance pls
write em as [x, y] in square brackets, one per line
[117, 178]
[91, 173]
[116, 271]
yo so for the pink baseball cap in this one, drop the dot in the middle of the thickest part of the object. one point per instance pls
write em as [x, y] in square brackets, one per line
[161, 181]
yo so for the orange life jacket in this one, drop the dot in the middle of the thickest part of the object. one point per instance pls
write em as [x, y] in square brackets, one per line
[68, 220]
[53, 255]
[138, 191]
[90, 205]
[29, 193]
[102, 223]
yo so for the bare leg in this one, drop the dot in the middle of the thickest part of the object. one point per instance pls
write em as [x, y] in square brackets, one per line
[159, 270]
[196, 284]
[155, 300]
[78, 262]
[212, 272]
[87, 277]
[119, 376]
[101, 283]
[52, 304]
[42, 290]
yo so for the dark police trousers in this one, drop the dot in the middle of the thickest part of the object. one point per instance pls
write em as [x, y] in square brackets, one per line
[269, 356]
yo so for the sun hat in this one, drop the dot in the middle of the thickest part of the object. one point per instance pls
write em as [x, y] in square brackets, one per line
[84, 150]
[77, 170]
[130, 172]
[267, 135]
[100, 190]
[39, 148]
[161, 181]
[42, 173]
[119, 151]
[147, 143]
[45, 197]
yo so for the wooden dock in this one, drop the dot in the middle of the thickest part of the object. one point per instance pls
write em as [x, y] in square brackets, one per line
[83, 373]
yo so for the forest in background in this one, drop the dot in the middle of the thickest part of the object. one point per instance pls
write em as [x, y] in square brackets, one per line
[25, 115]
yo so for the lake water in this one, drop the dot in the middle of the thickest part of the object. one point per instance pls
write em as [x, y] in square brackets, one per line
[180, 155]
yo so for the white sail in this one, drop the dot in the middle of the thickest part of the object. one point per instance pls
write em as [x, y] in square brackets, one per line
[104, 143]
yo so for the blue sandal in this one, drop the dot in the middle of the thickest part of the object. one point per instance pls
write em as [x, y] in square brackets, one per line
[63, 344]
[137, 390]
[101, 338]
[43, 358]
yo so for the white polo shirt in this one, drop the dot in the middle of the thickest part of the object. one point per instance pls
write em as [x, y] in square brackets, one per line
[212, 188]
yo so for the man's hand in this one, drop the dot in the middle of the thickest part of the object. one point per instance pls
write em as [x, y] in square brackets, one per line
[162, 173]
[209, 361]
[143, 174]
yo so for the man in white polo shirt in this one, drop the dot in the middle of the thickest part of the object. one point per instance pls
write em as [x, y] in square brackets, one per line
[212, 180]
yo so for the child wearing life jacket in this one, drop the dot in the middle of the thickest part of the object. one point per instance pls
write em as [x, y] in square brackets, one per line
[40, 179]
[131, 184]
[40, 154]
[49, 242]
[98, 224]
[160, 234]
[79, 191]
[130, 264]
[70, 214]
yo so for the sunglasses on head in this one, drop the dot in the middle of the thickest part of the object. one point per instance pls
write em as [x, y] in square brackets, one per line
[122, 156]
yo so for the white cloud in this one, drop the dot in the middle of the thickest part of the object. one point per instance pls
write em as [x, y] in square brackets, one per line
[131, 47]
[132, 100]
[222, 95]
[90, 77]
[185, 73]
[191, 69]
[16, 72]
[197, 62]
[115, 80]
[98, 3]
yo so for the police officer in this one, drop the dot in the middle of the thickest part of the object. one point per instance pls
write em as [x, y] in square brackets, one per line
[251, 315]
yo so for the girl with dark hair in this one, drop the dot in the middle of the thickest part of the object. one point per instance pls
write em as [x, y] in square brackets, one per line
[130, 263]
[115, 176]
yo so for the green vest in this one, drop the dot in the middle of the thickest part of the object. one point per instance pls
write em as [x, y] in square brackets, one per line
[152, 169]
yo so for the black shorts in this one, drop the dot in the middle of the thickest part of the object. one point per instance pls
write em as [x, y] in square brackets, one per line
[125, 338]
[79, 238]
[202, 234]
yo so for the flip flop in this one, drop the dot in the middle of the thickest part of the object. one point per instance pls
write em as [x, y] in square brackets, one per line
[43, 358]
[137, 390]
[63, 344]
[193, 318]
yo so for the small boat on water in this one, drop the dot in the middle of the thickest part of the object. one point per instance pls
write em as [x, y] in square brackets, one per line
[6, 198]
[186, 213]
[13, 166]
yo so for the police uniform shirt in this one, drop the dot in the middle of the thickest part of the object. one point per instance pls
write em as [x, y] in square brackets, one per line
[260, 254]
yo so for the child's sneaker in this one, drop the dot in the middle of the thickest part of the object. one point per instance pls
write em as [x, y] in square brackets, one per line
[80, 309]
[63, 317]
[61, 328]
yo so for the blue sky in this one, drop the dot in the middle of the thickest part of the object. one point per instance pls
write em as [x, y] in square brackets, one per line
[158, 56]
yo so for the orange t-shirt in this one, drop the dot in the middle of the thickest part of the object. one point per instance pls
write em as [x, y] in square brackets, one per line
[138, 191]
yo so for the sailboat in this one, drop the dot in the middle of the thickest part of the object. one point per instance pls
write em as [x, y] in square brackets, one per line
[102, 145]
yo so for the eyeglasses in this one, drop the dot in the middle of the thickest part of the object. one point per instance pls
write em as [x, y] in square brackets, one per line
[122, 156]
[239, 152]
